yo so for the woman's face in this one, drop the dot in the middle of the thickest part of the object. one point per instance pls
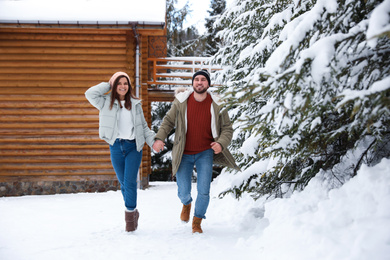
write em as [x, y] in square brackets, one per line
[122, 88]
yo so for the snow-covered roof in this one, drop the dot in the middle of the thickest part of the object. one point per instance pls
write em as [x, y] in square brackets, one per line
[83, 11]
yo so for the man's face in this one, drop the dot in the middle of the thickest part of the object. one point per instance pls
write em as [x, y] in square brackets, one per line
[200, 84]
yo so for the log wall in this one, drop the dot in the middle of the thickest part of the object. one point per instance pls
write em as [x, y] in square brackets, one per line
[48, 130]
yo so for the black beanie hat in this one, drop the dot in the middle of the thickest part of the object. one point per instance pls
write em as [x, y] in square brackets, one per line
[204, 73]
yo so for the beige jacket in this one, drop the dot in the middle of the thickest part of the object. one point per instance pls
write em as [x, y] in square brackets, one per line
[221, 128]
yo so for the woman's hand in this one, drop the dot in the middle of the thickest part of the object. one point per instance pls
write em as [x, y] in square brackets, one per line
[158, 146]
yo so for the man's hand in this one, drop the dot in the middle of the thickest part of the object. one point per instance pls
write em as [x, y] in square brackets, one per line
[158, 146]
[216, 147]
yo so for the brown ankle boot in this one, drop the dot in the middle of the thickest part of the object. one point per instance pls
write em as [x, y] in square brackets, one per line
[185, 213]
[131, 219]
[196, 225]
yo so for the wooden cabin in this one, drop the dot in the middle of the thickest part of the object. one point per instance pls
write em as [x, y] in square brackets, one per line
[49, 56]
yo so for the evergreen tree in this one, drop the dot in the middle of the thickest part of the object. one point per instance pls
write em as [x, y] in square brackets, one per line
[180, 41]
[212, 39]
[191, 44]
[175, 21]
[162, 161]
[306, 88]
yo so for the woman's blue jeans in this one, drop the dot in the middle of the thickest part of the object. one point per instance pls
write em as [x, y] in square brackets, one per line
[204, 168]
[126, 161]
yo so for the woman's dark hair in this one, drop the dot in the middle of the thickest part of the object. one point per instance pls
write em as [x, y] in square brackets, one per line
[115, 96]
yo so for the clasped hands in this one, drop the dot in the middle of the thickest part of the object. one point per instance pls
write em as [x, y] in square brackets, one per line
[158, 146]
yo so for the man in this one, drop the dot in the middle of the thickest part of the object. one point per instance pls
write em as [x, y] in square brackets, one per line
[203, 132]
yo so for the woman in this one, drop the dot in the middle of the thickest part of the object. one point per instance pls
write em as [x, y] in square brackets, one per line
[122, 124]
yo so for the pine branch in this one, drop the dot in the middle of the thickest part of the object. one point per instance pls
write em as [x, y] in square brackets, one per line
[361, 158]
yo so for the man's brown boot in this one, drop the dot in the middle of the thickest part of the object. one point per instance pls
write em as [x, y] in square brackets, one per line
[196, 225]
[185, 213]
[131, 218]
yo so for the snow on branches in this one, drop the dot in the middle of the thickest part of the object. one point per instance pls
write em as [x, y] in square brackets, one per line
[306, 86]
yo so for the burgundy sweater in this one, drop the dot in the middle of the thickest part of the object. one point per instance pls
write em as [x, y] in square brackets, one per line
[199, 136]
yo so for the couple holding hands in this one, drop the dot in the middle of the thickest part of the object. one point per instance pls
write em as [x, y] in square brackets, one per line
[203, 132]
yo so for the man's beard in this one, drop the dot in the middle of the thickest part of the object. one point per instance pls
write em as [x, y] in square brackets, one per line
[200, 91]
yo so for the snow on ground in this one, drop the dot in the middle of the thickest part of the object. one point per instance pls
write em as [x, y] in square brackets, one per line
[352, 222]
[91, 226]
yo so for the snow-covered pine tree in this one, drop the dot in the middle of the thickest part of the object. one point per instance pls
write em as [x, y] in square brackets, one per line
[305, 87]
[175, 31]
[217, 7]
[205, 45]
[162, 161]
[182, 41]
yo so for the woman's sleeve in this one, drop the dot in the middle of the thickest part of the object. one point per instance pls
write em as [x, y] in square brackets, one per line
[95, 94]
[149, 134]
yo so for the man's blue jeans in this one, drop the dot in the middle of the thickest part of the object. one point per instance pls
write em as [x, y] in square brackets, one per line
[126, 161]
[204, 168]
